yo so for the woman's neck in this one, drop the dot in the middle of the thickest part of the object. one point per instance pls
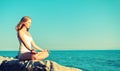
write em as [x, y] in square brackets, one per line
[24, 29]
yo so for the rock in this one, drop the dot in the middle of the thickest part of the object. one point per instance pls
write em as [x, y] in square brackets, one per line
[11, 64]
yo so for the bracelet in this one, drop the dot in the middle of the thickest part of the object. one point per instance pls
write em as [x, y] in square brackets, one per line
[31, 50]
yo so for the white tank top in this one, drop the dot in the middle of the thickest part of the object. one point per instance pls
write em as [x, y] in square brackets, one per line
[23, 49]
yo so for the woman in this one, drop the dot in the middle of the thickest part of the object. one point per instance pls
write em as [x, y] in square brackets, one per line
[26, 41]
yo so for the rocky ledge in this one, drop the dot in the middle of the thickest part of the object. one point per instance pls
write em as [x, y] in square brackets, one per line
[12, 64]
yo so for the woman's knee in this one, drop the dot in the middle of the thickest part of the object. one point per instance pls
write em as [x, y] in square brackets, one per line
[47, 54]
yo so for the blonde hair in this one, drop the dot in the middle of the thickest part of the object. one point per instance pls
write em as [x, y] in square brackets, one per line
[21, 23]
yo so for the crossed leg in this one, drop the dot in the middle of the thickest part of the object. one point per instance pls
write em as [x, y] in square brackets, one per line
[38, 56]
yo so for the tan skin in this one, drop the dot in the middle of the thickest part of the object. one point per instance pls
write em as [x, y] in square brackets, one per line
[33, 55]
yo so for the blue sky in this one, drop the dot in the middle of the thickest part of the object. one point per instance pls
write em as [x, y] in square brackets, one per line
[63, 24]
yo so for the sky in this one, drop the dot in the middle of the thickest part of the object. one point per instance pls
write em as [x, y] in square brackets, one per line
[63, 24]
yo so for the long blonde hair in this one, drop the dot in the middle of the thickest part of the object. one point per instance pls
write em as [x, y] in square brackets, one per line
[21, 23]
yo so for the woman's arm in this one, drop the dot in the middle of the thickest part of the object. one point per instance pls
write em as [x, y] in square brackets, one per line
[22, 39]
[35, 46]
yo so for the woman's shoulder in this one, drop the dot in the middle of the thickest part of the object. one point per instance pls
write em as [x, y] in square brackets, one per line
[20, 32]
[24, 33]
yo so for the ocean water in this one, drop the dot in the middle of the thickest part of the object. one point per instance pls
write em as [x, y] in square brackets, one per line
[87, 60]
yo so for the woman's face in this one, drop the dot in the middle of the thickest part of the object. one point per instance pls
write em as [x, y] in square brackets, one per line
[28, 24]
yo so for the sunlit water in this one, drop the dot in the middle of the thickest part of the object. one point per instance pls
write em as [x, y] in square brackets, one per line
[96, 60]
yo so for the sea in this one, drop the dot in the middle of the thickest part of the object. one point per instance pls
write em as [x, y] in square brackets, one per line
[87, 60]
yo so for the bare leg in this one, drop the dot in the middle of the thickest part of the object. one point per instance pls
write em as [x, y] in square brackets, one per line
[40, 55]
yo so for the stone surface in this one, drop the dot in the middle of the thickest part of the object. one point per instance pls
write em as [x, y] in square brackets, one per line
[11, 64]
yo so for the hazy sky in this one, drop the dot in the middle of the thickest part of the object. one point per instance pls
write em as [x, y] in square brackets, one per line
[63, 24]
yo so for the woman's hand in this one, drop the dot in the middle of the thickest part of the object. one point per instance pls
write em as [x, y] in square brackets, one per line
[33, 51]
[45, 51]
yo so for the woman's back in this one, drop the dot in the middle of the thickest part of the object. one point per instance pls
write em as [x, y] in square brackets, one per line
[28, 39]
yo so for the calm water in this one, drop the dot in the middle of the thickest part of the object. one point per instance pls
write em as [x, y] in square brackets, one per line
[106, 60]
